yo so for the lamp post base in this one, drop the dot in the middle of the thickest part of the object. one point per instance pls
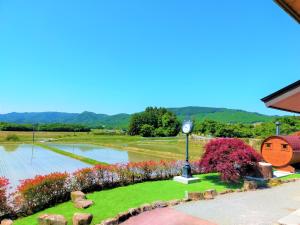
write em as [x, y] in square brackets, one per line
[187, 170]
[184, 180]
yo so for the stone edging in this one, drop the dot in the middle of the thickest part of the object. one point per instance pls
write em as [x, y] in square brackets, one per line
[190, 196]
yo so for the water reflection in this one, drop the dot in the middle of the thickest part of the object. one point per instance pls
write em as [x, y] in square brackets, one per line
[104, 154]
[27, 161]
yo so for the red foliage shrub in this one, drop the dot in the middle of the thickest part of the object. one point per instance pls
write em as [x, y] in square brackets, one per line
[42, 191]
[3, 196]
[231, 157]
[84, 179]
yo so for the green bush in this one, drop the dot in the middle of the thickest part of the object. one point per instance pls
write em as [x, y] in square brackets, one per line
[147, 130]
[12, 137]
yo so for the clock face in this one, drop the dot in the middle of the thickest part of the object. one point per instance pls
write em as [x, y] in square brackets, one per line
[187, 127]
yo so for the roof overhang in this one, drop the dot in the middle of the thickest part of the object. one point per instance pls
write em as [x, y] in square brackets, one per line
[287, 99]
[292, 7]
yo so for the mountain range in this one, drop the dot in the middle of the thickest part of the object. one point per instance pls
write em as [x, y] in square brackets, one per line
[122, 120]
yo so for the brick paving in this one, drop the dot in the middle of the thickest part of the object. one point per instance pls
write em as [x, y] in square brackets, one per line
[165, 216]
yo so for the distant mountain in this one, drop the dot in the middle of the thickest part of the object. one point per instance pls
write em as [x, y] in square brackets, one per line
[85, 118]
[220, 114]
[122, 120]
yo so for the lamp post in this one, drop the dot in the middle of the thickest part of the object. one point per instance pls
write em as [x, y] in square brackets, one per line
[277, 128]
[33, 133]
[33, 130]
[187, 129]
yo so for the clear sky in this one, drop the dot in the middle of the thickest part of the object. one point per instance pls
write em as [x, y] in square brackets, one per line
[121, 56]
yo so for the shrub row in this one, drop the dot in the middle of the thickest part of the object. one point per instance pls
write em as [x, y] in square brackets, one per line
[40, 192]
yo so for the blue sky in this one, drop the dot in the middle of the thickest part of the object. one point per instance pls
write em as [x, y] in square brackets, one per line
[121, 56]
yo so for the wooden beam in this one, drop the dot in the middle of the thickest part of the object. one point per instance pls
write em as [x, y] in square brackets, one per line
[292, 7]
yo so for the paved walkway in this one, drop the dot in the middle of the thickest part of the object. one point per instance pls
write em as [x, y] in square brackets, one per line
[261, 207]
[165, 216]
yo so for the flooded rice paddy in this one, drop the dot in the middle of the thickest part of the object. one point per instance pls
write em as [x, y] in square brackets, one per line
[104, 154]
[18, 162]
[23, 161]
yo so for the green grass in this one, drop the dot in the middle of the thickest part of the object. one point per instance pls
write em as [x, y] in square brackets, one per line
[108, 203]
[292, 176]
[71, 155]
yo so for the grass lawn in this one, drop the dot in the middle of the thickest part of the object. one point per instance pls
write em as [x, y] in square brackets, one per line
[108, 203]
[292, 176]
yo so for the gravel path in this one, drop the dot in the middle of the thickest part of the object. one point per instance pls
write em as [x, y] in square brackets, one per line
[261, 207]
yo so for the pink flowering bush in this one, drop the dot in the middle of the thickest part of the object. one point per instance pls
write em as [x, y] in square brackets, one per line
[231, 157]
[108, 176]
[4, 209]
[84, 179]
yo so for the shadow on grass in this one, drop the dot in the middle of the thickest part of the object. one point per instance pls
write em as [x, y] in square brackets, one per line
[216, 179]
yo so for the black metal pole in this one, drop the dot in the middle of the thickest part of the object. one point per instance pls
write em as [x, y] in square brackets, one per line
[187, 171]
[32, 133]
[187, 148]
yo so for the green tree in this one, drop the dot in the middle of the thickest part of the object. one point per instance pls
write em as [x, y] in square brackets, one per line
[163, 122]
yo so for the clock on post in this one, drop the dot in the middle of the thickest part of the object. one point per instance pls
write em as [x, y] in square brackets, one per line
[187, 128]
[187, 178]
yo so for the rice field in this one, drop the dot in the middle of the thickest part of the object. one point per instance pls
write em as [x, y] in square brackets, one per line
[103, 154]
[19, 162]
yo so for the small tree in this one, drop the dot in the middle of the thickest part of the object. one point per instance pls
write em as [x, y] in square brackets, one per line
[231, 157]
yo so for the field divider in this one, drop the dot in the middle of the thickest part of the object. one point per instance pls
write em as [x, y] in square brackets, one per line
[72, 155]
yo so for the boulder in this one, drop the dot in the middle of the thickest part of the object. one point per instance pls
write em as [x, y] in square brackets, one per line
[52, 219]
[6, 222]
[274, 182]
[264, 170]
[194, 196]
[83, 204]
[112, 221]
[210, 194]
[159, 204]
[226, 192]
[123, 216]
[134, 211]
[77, 195]
[249, 185]
[174, 202]
[82, 219]
[146, 207]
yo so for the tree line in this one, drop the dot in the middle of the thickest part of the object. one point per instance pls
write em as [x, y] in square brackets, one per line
[289, 125]
[44, 127]
[159, 122]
